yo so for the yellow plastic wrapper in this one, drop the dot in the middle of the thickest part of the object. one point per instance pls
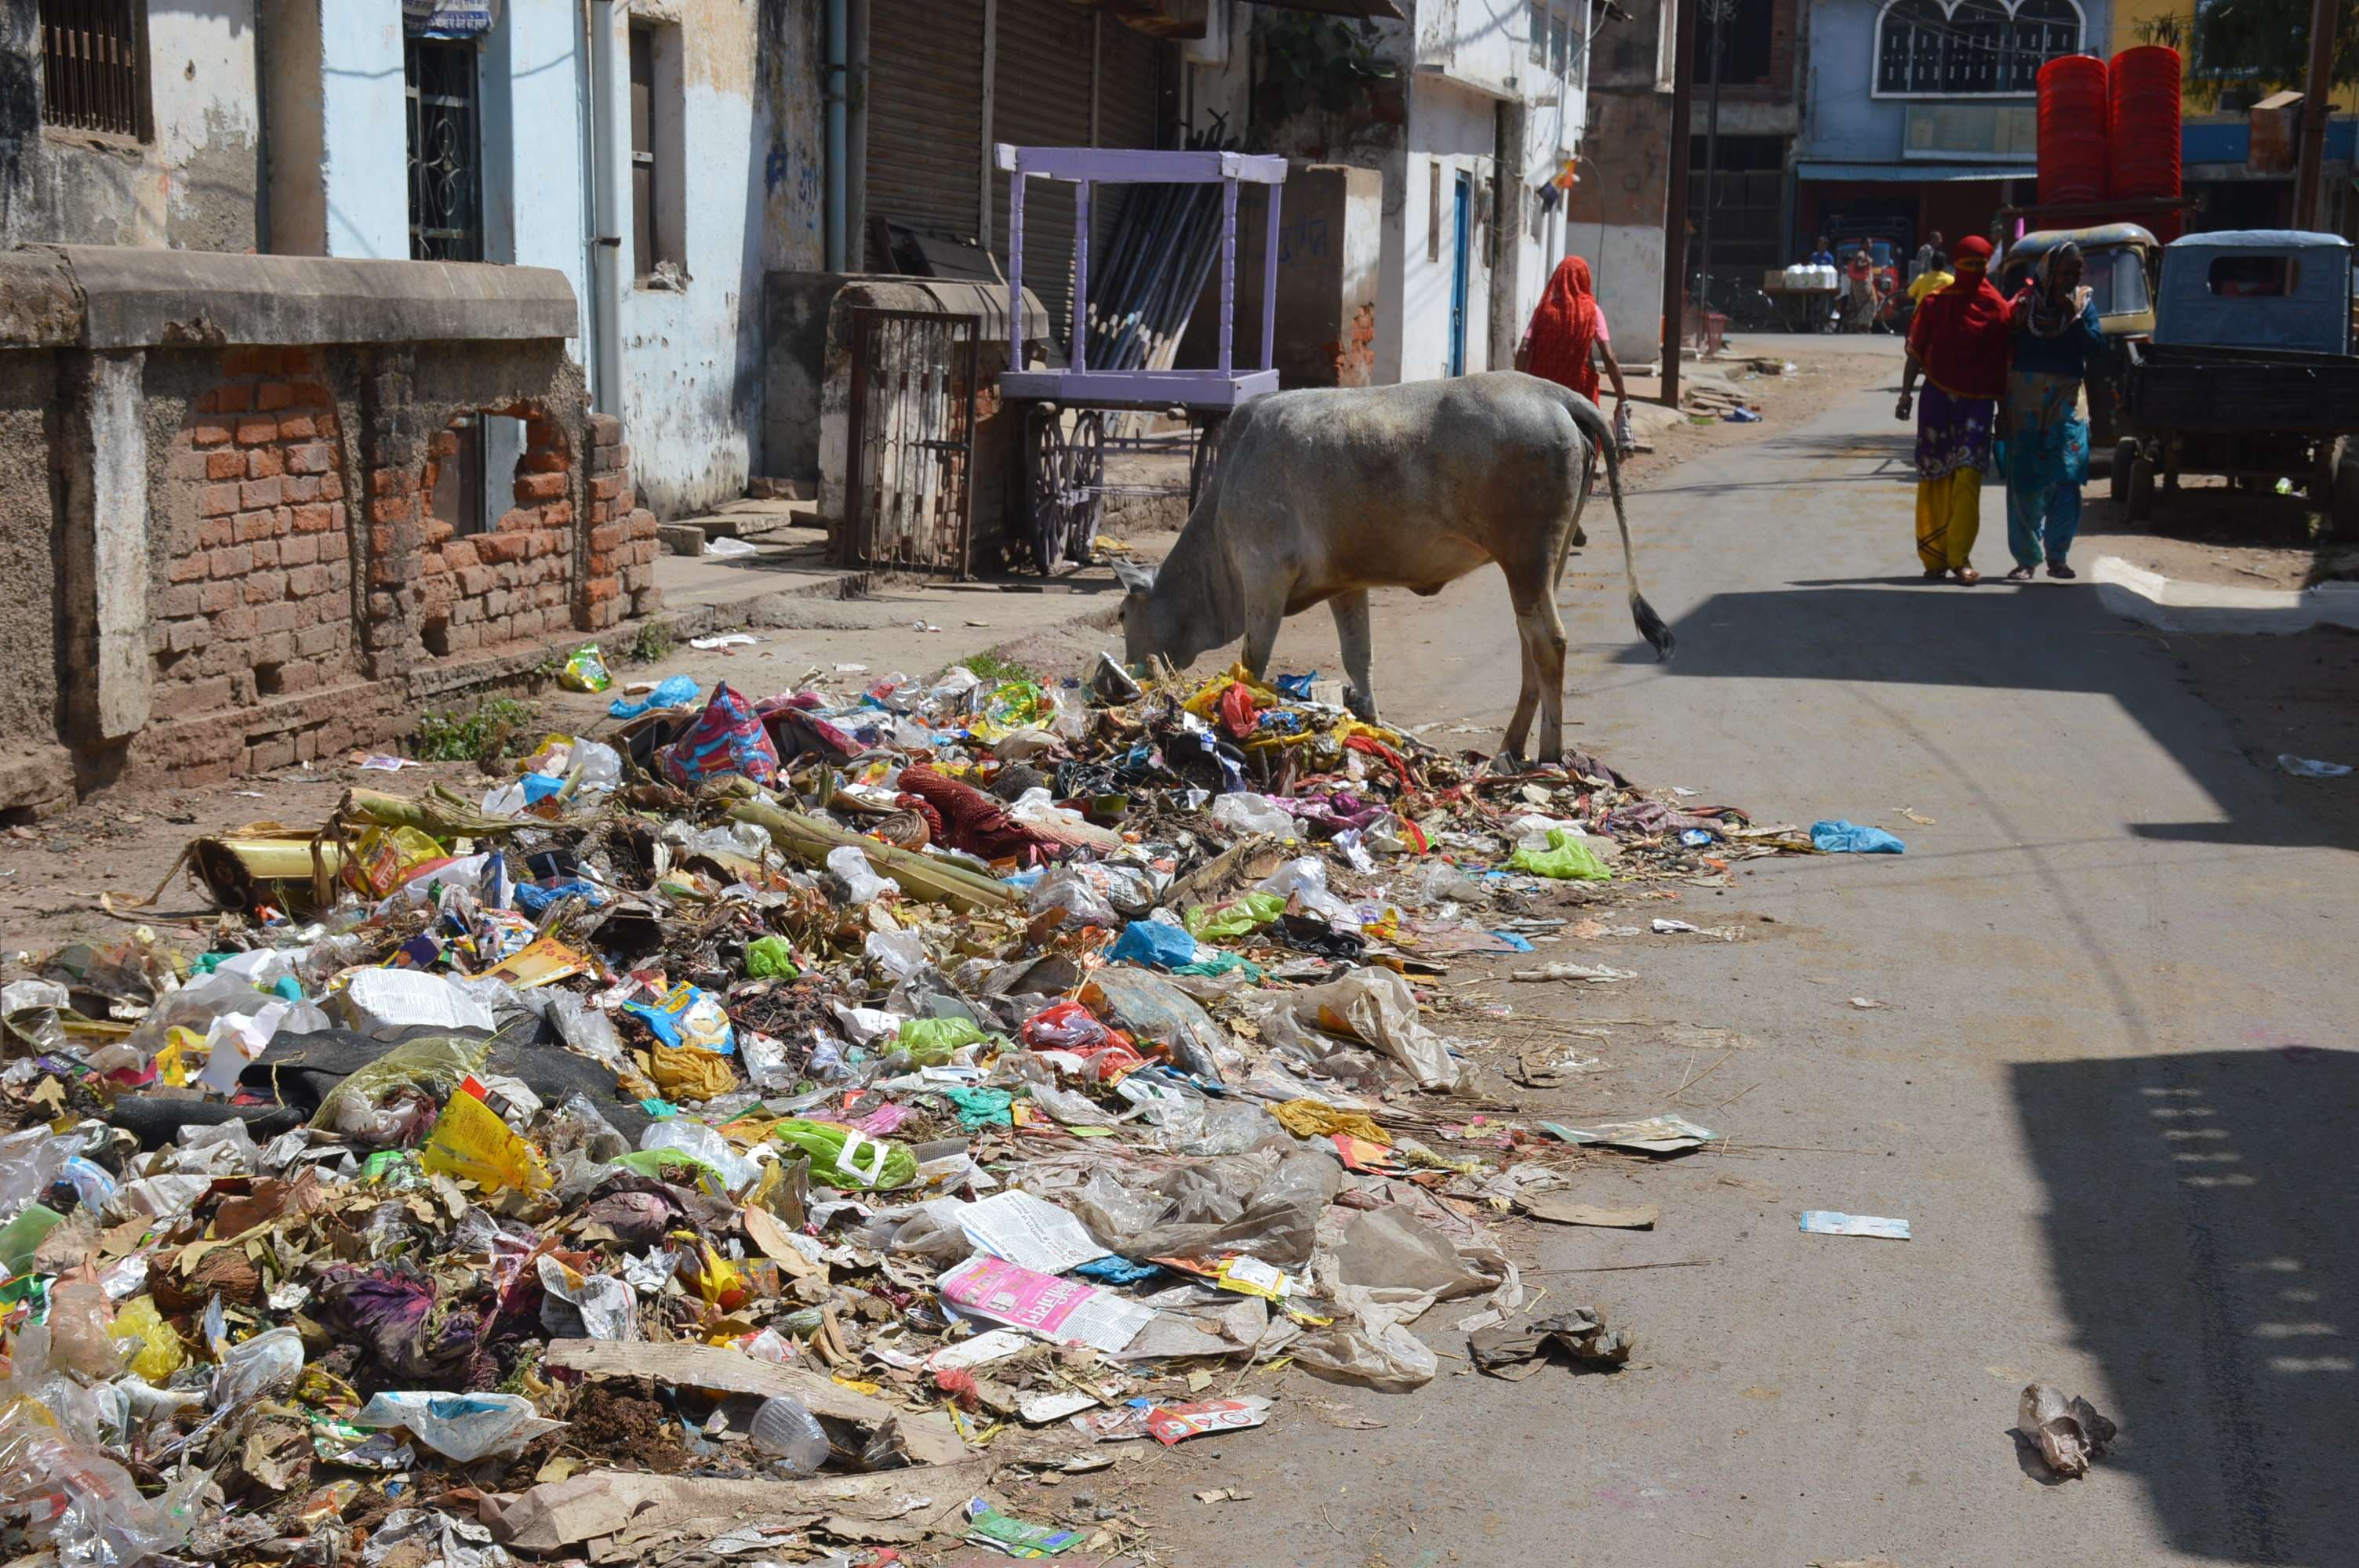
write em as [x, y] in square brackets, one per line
[585, 670]
[1205, 702]
[159, 1353]
[388, 856]
[471, 1143]
[720, 1281]
[1315, 1119]
[685, 1072]
[184, 1052]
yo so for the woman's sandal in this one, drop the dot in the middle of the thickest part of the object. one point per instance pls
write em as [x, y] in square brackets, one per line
[1968, 577]
[2056, 570]
[2020, 574]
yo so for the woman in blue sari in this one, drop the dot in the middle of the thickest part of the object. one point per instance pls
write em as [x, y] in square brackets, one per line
[2043, 437]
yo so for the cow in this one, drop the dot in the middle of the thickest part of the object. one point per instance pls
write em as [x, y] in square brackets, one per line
[1322, 494]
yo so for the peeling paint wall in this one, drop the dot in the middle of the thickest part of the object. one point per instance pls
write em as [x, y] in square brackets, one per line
[192, 185]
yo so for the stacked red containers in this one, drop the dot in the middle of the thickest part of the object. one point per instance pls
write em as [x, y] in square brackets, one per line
[2142, 132]
[2072, 119]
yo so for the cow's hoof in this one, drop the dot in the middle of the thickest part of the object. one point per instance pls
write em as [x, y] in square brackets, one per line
[1362, 709]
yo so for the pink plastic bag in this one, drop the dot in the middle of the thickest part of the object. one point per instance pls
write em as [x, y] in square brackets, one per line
[726, 738]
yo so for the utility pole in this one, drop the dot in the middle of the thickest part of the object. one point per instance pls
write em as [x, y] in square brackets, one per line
[1721, 11]
[1675, 212]
[2315, 104]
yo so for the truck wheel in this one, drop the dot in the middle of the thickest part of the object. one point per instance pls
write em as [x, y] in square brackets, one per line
[2117, 476]
[2139, 495]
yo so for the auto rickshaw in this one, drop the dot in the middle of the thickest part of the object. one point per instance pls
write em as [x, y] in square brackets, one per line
[2123, 261]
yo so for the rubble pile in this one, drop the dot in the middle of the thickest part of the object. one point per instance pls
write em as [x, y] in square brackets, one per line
[748, 1133]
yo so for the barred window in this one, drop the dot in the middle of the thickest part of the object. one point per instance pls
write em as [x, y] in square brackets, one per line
[1971, 48]
[94, 66]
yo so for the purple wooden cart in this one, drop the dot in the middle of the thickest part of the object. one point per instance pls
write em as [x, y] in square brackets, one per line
[1062, 472]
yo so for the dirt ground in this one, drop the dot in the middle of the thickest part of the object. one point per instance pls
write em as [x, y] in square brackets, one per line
[2297, 695]
[2208, 532]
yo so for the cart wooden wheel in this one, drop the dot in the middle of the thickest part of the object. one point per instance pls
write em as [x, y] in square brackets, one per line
[2118, 478]
[2139, 494]
[1084, 487]
[1044, 473]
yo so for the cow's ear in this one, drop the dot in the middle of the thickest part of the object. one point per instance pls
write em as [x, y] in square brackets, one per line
[1136, 578]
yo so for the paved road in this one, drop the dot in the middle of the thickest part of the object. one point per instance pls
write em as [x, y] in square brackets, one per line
[2112, 1090]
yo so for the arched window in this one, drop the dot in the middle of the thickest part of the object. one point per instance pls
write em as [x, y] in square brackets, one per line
[1971, 48]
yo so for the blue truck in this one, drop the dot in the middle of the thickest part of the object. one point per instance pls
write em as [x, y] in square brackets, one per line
[2249, 373]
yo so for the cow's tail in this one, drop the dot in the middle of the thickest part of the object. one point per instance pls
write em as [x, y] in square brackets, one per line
[1599, 431]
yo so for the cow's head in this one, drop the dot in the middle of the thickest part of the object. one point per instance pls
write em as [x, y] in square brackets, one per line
[1140, 636]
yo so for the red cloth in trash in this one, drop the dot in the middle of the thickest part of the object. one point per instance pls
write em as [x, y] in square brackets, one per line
[1237, 712]
[971, 821]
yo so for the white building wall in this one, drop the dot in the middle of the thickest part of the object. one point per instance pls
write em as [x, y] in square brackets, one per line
[1454, 129]
[364, 137]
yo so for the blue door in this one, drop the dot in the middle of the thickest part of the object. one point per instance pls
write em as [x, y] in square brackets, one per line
[1461, 236]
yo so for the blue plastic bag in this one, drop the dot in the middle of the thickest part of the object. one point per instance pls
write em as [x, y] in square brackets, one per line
[1298, 686]
[677, 691]
[1145, 942]
[1833, 837]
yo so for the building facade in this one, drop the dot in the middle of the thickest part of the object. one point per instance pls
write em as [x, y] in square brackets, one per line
[1919, 114]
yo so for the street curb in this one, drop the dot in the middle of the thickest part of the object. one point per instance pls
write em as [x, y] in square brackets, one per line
[2170, 604]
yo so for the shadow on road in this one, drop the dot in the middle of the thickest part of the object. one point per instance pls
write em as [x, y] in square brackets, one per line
[2198, 1231]
[2042, 636]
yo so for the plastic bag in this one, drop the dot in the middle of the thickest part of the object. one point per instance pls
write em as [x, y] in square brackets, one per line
[673, 691]
[1233, 917]
[1245, 812]
[154, 1347]
[1070, 889]
[431, 1066]
[465, 1427]
[846, 1158]
[932, 1042]
[584, 1026]
[387, 857]
[1154, 1010]
[1568, 857]
[471, 1143]
[575, 1305]
[1836, 837]
[80, 1331]
[770, 957]
[1065, 1026]
[707, 1145]
[1153, 942]
[585, 670]
[861, 883]
[726, 738]
[1378, 1007]
[1304, 881]
[270, 1363]
[77, 1498]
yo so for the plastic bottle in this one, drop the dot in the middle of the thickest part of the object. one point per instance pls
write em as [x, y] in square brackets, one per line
[787, 1431]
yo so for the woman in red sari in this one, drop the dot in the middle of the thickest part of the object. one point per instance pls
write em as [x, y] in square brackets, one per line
[1958, 342]
[1566, 327]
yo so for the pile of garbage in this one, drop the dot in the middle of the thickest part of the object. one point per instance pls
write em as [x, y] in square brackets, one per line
[752, 1129]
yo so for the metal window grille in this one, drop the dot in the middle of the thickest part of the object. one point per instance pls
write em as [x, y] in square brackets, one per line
[94, 66]
[446, 203]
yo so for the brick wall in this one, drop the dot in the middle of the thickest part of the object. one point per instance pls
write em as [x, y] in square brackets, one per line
[258, 599]
[619, 563]
[510, 581]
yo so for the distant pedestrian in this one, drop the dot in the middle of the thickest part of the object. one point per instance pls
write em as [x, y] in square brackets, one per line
[1925, 254]
[1567, 335]
[2043, 436]
[1935, 275]
[1958, 342]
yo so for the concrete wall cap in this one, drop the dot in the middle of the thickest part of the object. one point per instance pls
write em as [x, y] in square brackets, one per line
[138, 298]
[39, 306]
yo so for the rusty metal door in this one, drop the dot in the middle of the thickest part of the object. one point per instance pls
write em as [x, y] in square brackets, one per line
[908, 499]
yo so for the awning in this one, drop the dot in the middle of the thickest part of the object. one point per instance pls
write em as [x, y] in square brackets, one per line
[1154, 17]
[1912, 173]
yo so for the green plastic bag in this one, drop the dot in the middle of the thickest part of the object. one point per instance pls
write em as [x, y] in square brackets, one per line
[1568, 857]
[770, 958]
[979, 1108]
[1250, 912]
[930, 1040]
[847, 1158]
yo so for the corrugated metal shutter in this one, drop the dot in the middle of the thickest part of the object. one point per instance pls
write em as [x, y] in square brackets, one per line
[1040, 98]
[1129, 109]
[925, 116]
